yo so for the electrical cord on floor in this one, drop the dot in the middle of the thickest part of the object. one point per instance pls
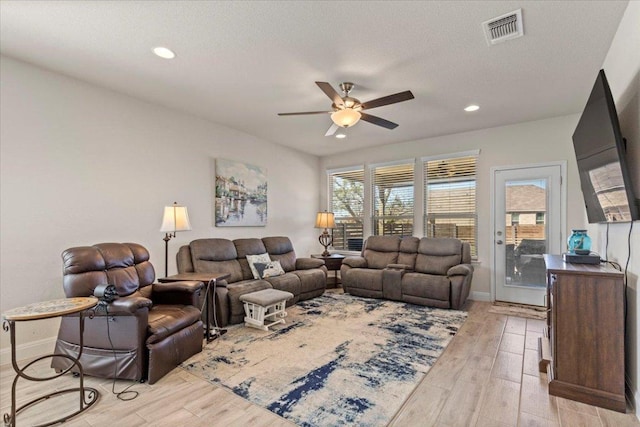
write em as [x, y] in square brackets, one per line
[125, 394]
[219, 331]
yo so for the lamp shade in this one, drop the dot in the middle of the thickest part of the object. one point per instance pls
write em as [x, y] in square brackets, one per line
[176, 218]
[325, 220]
[346, 117]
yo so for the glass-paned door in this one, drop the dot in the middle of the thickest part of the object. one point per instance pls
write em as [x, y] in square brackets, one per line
[527, 225]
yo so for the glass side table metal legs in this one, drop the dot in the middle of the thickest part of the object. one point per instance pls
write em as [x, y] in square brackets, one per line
[87, 396]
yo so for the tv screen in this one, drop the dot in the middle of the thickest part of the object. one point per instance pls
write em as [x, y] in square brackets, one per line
[600, 151]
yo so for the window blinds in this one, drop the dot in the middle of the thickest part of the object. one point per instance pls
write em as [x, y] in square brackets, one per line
[450, 199]
[392, 192]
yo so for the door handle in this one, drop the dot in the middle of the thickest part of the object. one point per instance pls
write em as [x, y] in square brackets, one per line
[499, 242]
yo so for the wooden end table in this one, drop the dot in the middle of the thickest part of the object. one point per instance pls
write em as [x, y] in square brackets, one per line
[210, 280]
[48, 310]
[333, 262]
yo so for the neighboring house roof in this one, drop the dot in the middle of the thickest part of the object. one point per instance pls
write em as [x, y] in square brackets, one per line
[526, 198]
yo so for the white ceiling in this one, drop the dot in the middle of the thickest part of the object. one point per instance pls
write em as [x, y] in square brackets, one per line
[241, 63]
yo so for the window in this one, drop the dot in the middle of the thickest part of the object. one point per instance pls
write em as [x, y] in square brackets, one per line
[450, 199]
[392, 192]
[346, 201]
[540, 218]
[515, 218]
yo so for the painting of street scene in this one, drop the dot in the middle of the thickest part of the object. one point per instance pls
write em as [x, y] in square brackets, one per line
[241, 194]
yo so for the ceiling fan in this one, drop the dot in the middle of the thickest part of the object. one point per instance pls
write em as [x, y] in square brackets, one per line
[346, 111]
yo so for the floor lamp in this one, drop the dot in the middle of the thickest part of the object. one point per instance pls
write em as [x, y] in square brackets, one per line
[176, 218]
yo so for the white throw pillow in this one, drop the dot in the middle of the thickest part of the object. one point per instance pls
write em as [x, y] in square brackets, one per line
[270, 269]
[252, 259]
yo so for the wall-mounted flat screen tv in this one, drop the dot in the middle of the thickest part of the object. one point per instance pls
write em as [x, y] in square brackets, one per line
[600, 151]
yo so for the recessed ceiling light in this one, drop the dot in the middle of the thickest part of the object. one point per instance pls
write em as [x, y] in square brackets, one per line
[471, 107]
[341, 136]
[164, 52]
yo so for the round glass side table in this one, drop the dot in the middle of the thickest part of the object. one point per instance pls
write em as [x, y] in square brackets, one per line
[47, 310]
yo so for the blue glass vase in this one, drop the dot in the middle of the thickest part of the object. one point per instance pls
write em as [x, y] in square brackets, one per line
[579, 243]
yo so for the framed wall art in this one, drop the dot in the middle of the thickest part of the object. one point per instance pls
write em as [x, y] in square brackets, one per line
[240, 194]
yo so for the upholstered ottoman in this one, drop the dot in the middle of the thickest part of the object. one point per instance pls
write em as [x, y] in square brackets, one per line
[265, 305]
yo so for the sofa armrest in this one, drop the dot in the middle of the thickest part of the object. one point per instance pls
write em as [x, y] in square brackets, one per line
[185, 292]
[355, 262]
[189, 286]
[128, 305]
[403, 267]
[221, 284]
[308, 263]
[460, 270]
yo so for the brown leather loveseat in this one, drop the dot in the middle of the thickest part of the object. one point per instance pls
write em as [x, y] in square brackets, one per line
[305, 278]
[144, 333]
[427, 271]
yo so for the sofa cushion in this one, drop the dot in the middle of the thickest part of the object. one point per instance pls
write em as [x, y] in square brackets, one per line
[165, 320]
[216, 256]
[438, 255]
[281, 249]
[288, 282]
[244, 247]
[311, 280]
[408, 251]
[364, 278]
[426, 286]
[183, 260]
[381, 251]
[125, 265]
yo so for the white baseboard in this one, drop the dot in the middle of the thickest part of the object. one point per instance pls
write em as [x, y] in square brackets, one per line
[480, 296]
[29, 350]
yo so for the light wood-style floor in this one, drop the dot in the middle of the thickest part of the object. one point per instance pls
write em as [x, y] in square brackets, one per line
[487, 376]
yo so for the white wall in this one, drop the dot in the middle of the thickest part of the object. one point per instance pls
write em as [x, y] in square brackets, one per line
[523, 143]
[622, 66]
[82, 165]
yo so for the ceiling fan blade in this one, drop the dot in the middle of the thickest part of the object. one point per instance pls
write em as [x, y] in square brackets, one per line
[389, 99]
[306, 112]
[332, 130]
[378, 121]
[331, 93]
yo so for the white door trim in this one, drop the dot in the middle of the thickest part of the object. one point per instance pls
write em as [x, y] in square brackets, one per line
[492, 230]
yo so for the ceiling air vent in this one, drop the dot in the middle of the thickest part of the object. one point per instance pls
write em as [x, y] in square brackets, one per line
[503, 28]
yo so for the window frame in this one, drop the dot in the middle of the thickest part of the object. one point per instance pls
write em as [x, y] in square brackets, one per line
[419, 217]
[426, 215]
[373, 217]
[330, 203]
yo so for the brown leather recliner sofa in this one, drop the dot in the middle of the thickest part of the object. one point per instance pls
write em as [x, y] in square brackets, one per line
[305, 278]
[427, 271]
[146, 332]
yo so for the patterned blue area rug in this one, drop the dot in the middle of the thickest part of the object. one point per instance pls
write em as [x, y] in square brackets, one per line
[339, 359]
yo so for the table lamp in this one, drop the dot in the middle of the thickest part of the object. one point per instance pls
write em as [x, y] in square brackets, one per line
[325, 220]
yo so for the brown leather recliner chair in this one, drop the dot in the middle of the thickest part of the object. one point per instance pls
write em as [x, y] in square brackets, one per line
[144, 333]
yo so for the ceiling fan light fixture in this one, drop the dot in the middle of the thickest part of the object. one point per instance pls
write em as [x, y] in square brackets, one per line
[346, 117]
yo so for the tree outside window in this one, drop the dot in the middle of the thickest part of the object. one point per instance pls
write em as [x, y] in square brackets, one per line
[346, 201]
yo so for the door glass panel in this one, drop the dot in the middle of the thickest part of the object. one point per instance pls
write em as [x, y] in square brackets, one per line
[525, 232]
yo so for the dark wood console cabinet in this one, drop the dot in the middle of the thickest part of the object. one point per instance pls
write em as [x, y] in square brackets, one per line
[582, 349]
